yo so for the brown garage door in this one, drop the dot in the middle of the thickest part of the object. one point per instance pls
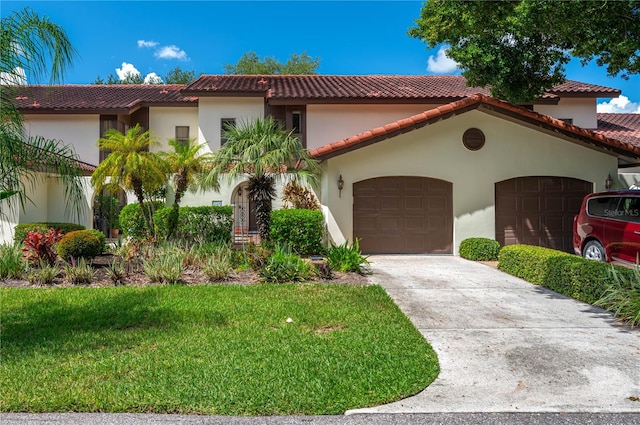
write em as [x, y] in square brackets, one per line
[538, 210]
[403, 215]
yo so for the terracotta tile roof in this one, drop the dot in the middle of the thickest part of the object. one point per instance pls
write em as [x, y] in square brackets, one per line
[108, 98]
[476, 101]
[622, 127]
[333, 87]
[340, 88]
[572, 88]
[277, 88]
[86, 168]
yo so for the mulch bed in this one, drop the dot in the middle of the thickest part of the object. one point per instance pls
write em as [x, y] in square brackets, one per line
[191, 276]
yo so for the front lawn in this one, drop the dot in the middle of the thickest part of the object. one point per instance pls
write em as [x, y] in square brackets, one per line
[223, 350]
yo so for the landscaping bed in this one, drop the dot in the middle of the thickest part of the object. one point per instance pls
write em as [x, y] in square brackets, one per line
[191, 275]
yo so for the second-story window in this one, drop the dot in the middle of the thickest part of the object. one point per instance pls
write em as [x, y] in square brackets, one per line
[182, 134]
[225, 123]
[107, 122]
[295, 122]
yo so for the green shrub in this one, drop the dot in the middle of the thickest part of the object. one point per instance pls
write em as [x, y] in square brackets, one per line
[623, 296]
[345, 258]
[197, 225]
[43, 275]
[132, 222]
[12, 264]
[283, 267]
[254, 256]
[217, 268]
[21, 230]
[301, 229]
[79, 244]
[573, 276]
[164, 268]
[479, 249]
[79, 272]
[101, 237]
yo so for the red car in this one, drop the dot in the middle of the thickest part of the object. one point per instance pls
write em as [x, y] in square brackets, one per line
[607, 228]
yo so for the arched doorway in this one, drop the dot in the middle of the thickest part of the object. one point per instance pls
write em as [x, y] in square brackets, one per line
[245, 228]
[106, 209]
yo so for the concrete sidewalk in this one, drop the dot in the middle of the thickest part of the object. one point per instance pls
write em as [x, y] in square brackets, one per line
[506, 345]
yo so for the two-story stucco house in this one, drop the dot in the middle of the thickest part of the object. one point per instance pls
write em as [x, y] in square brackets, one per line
[423, 161]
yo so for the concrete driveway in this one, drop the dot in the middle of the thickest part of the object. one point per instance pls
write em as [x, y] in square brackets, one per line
[506, 345]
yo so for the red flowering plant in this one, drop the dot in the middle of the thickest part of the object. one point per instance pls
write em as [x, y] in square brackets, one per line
[40, 246]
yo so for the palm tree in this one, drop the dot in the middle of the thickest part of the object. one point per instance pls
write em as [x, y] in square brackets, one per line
[32, 45]
[187, 164]
[130, 165]
[266, 153]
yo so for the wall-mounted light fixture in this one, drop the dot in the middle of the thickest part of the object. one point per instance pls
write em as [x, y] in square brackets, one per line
[340, 186]
[608, 182]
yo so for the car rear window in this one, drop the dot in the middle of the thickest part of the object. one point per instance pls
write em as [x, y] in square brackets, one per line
[603, 206]
[626, 208]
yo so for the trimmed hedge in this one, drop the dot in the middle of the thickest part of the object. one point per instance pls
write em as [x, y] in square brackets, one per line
[567, 274]
[101, 237]
[21, 230]
[479, 249]
[79, 244]
[300, 229]
[197, 225]
[132, 222]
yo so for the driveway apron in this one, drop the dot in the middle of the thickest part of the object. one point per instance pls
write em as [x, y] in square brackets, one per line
[505, 345]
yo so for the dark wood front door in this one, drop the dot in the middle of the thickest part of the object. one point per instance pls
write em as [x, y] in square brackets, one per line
[538, 210]
[403, 215]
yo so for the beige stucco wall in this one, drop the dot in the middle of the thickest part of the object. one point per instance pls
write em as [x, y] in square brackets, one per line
[48, 196]
[581, 110]
[81, 131]
[436, 151]
[212, 110]
[163, 122]
[330, 123]
[8, 221]
[59, 211]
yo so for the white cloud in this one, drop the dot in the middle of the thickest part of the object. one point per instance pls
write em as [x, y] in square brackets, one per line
[619, 105]
[441, 64]
[171, 52]
[126, 70]
[145, 43]
[152, 78]
[15, 78]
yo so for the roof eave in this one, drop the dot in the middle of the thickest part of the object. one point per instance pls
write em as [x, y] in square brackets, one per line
[489, 105]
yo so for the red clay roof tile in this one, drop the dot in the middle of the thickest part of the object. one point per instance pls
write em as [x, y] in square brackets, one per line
[474, 102]
[362, 87]
[97, 98]
[623, 127]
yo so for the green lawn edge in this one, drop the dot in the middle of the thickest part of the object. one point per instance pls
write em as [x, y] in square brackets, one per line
[212, 349]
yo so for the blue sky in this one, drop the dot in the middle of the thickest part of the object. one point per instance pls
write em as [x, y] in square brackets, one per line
[351, 38]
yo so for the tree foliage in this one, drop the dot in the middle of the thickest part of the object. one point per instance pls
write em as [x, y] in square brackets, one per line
[32, 45]
[265, 153]
[519, 49]
[187, 163]
[130, 165]
[174, 76]
[297, 64]
[178, 76]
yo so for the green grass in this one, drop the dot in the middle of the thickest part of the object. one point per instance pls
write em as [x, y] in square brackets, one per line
[224, 350]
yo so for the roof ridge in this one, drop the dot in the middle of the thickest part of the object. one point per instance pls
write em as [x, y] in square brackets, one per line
[396, 127]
